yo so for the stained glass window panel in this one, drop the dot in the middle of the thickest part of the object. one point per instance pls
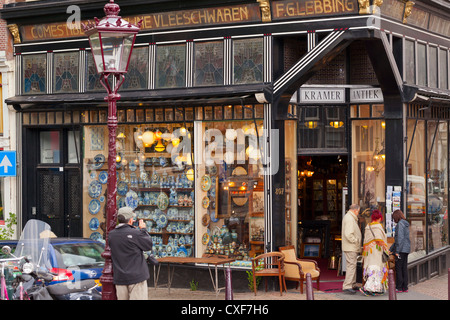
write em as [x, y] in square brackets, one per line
[208, 63]
[92, 77]
[248, 61]
[65, 70]
[34, 73]
[170, 66]
[137, 75]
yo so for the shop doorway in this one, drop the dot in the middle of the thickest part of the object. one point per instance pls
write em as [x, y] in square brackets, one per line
[53, 180]
[321, 181]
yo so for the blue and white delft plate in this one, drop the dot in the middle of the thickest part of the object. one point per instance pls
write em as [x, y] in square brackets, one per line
[131, 199]
[94, 206]
[95, 189]
[162, 221]
[132, 166]
[96, 236]
[98, 161]
[103, 177]
[121, 202]
[122, 188]
[94, 224]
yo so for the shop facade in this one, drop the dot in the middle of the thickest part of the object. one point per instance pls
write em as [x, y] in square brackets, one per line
[243, 126]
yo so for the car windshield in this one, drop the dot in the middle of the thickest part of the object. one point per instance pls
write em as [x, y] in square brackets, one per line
[82, 255]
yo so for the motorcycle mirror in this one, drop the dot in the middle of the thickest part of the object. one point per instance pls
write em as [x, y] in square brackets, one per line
[6, 249]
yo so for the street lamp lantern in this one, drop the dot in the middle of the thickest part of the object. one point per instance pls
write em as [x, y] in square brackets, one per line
[111, 40]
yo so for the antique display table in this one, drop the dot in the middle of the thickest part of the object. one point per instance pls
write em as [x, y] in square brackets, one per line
[208, 261]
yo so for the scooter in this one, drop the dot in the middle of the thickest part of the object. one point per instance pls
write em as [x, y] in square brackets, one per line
[35, 279]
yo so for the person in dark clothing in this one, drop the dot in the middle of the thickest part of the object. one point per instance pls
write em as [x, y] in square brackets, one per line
[128, 243]
[401, 249]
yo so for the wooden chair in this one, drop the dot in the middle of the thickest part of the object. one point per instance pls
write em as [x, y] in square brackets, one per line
[296, 269]
[269, 264]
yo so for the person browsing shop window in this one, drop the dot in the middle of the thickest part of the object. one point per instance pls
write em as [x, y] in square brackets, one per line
[351, 246]
[128, 244]
[401, 249]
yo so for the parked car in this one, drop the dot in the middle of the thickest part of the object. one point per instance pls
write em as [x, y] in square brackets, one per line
[72, 259]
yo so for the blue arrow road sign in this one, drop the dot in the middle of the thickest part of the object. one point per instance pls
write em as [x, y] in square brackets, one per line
[8, 164]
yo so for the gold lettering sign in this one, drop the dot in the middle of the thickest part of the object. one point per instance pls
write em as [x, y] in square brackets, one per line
[156, 21]
[290, 9]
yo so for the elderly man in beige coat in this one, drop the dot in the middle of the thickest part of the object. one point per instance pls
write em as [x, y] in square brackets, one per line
[351, 246]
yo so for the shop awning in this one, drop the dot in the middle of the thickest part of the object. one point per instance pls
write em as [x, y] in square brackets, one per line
[257, 93]
[418, 94]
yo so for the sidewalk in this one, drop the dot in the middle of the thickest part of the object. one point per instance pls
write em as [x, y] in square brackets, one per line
[433, 289]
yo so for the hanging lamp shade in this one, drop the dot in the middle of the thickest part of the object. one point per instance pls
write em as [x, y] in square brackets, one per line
[111, 40]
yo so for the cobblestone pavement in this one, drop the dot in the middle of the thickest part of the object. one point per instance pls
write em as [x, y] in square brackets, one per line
[433, 289]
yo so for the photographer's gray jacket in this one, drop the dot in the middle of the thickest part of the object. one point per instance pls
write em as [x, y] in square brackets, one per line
[127, 246]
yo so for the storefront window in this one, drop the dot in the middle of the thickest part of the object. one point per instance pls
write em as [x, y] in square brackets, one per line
[437, 185]
[248, 59]
[416, 187]
[421, 64]
[230, 198]
[137, 75]
[65, 72]
[49, 147]
[443, 69]
[34, 73]
[322, 127]
[92, 77]
[208, 63]
[171, 66]
[368, 164]
[433, 67]
[154, 177]
[410, 58]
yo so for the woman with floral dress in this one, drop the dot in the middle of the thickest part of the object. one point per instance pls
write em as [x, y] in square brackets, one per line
[375, 271]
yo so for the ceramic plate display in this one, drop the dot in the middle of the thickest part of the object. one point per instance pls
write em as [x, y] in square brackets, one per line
[212, 170]
[205, 183]
[163, 201]
[205, 239]
[95, 189]
[213, 217]
[132, 166]
[131, 199]
[122, 188]
[172, 213]
[205, 219]
[98, 161]
[103, 177]
[94, 206]
[121, 202]
[94, 224]
[96, 236]
[102, 198]
[205, 202]
[162, 221]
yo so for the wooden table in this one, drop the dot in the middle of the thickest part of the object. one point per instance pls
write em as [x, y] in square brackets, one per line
[209, 261]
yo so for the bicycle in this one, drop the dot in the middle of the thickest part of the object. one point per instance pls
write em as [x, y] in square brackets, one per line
[13, 265]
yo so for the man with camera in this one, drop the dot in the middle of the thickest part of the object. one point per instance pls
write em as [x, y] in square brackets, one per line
[128, 244]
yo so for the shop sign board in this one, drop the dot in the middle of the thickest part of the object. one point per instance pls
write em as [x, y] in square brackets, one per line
[154, 21]
[322, 95]
[361, 95]
[294, 9]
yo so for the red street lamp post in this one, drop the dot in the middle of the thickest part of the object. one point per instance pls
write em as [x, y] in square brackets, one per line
[111, 40]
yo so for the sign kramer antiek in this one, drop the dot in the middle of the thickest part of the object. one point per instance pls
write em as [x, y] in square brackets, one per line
[337, 95]
[280, 10]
